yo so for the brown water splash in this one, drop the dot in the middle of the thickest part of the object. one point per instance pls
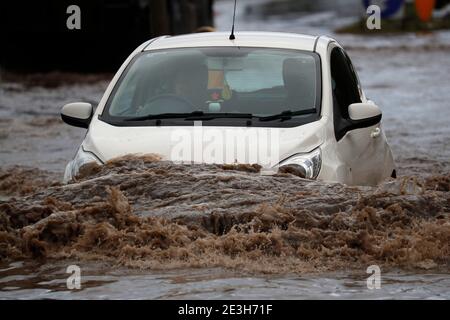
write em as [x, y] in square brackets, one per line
[144, 213]
[22, 181]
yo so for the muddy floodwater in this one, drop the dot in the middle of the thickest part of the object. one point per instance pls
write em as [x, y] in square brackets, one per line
[140, 228]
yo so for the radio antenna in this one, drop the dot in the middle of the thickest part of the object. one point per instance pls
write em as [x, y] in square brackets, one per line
[232, 37]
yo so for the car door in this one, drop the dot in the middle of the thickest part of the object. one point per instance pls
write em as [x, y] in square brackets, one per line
[362, 150]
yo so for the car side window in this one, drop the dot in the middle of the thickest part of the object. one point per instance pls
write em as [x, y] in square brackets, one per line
[346, 89]
[354, 75]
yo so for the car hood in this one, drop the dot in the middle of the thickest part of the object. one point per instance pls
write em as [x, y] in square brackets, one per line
[205, 144]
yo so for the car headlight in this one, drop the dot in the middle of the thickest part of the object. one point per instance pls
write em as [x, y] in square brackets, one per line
[305, 165]
[81, 159]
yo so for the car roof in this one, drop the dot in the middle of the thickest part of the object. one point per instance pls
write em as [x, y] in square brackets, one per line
[243, 39]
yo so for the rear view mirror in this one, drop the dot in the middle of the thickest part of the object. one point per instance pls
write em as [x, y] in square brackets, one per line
[78, 114]
[362, 115]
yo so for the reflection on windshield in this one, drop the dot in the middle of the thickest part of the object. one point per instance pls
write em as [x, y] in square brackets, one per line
[256, 81]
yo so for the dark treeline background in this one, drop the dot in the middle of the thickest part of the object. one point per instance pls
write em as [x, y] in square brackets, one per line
[34, 36]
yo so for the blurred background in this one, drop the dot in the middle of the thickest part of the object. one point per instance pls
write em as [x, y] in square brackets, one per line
[121, 25]
[116, 25]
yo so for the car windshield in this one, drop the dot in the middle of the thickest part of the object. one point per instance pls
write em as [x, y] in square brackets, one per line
[218, 80]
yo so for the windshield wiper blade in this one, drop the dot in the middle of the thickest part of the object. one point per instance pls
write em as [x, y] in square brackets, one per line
[202, 116]
[165, 116]
[192, 116]
[211, 116]
[288, 114]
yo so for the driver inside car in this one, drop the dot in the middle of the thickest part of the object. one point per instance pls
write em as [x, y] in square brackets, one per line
[191, 84]
[185, 92]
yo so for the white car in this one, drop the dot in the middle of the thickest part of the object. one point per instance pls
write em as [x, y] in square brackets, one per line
[276, 99]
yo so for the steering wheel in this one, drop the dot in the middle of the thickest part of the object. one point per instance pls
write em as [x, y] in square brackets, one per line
[167, 103]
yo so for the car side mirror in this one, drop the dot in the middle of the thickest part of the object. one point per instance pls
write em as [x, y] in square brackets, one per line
[362, 115]
[364, 112]
[78, 114]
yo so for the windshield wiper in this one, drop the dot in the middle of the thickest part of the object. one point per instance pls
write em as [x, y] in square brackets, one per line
[192, 116]
[202, 116]
[288, 114]
[211, 116]
[164, 116]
